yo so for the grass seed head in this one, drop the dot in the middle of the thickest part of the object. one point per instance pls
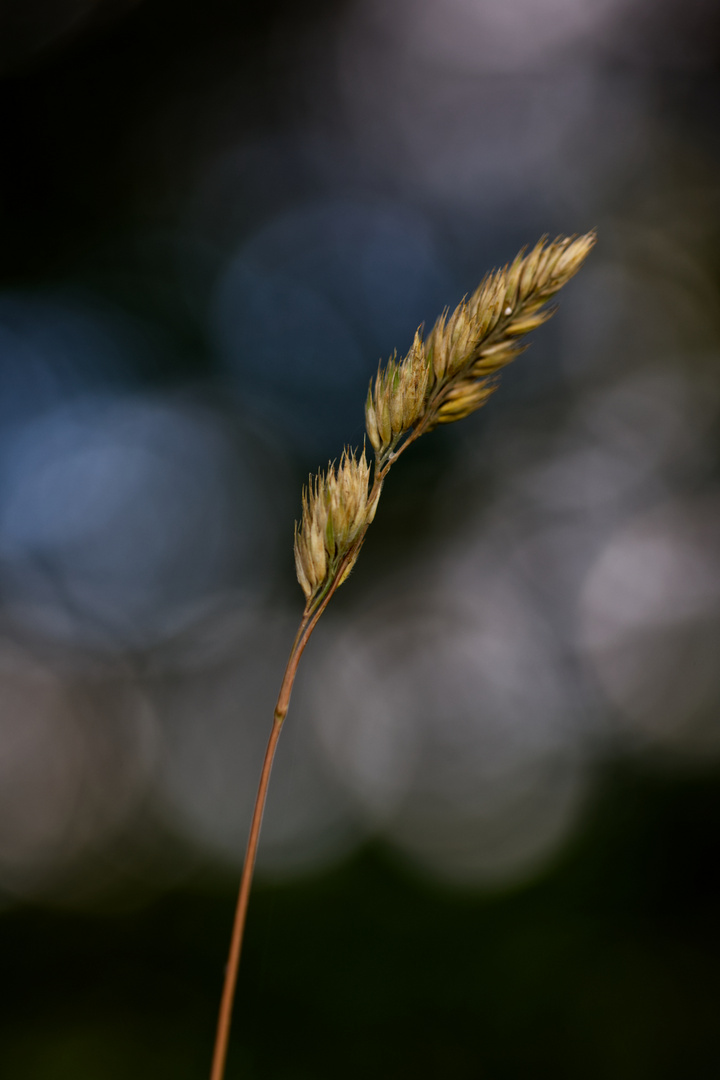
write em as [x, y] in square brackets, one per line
[445, 377]
[334, 512]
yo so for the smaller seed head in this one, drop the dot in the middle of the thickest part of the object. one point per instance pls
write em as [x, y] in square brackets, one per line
[334, 513]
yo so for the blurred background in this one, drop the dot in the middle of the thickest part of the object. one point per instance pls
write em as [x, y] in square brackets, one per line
[492, 842]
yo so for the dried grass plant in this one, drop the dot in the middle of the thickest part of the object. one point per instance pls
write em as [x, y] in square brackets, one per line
[443, 378]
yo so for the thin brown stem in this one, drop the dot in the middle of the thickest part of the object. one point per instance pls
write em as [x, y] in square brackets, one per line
[308, 624]
[231, 970]
[233, 962]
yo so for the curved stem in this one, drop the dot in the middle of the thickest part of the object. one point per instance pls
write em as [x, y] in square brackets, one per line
[231, 970]
[307, 625]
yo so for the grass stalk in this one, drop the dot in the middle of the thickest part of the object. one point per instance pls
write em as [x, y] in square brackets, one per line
[442, 379]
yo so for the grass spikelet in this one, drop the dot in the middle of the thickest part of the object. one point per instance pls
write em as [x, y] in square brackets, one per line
[334, 511]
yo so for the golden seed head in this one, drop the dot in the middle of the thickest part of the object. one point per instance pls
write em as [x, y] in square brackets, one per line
[442, 379]
[334, 511]
[478, 339]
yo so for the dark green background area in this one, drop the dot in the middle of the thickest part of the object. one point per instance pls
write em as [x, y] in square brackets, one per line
[605, 967]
